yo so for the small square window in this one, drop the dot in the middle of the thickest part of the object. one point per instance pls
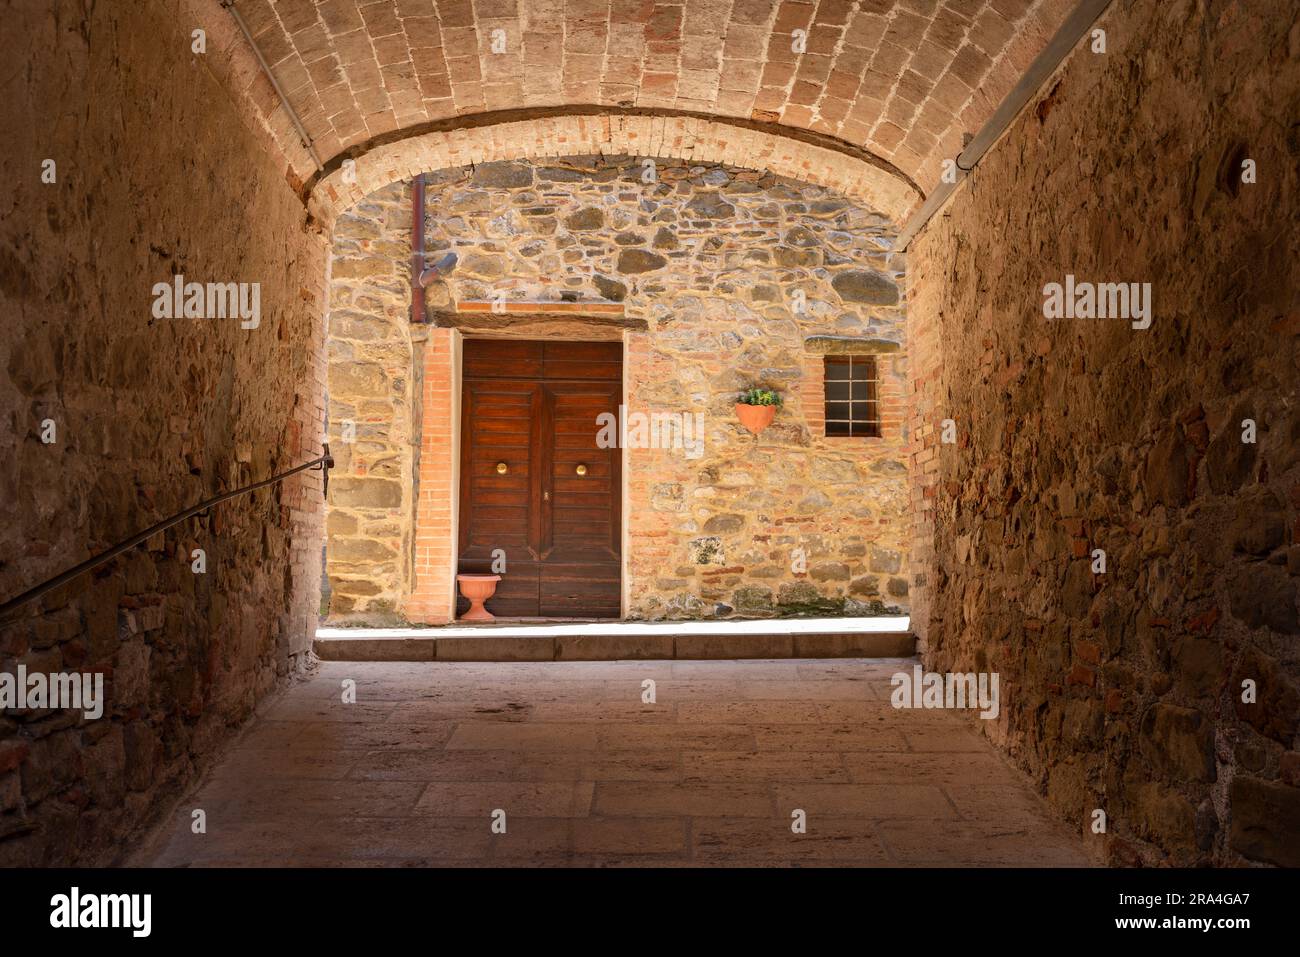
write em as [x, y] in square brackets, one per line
[852, 396]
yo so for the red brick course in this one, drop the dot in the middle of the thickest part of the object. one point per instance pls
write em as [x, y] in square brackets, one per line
[432, 599]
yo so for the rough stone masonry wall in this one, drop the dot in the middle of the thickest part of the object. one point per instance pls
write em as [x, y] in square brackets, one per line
[157, 174]
[711, 259]
[373, 404]
[1123, 691]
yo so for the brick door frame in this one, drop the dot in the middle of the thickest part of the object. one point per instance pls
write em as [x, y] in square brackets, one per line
[437, 504]
[437, 480]
[625, 474]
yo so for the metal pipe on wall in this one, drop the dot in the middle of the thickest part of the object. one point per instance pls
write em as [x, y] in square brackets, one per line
[1044, 65]
[418, 312]
[275, 84]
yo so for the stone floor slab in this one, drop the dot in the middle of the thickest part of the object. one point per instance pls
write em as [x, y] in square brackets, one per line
[590, 776]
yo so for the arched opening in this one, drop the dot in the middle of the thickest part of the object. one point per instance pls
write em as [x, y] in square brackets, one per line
[710, 280]
[691, 138]
[1103, 508]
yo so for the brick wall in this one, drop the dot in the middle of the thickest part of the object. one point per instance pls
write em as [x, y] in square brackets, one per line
[433, 591]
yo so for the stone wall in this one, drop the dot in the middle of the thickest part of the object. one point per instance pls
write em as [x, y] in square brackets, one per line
[372, 390]
[156, 173]
[731, 272]
[1123, 691]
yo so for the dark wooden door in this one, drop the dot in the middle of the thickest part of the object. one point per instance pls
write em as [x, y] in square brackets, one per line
[534, 483]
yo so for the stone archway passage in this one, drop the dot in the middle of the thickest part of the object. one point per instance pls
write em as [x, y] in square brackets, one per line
[540, 500]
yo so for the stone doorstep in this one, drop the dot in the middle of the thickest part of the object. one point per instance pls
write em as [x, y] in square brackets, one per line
[616, 647]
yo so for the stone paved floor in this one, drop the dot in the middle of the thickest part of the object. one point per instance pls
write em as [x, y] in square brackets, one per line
[410, 774]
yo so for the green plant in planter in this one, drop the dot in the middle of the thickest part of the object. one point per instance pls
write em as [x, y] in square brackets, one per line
[758, 396]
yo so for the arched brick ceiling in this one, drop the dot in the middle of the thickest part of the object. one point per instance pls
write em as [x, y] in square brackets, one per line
[899, 79]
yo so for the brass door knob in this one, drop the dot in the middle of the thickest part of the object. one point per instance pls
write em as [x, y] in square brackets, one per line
[581, 469]
[502, 468]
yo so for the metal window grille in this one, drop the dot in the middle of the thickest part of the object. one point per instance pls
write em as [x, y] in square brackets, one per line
[852, 396]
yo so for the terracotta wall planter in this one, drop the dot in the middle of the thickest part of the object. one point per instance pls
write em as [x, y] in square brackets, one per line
[755, 417]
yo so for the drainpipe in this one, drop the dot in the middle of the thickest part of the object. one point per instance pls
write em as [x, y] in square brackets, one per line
[422, 275]
[419, 331]
[418, 313]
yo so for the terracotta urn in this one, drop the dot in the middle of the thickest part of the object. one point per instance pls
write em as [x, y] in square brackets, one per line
[478, 589]
[755, 417]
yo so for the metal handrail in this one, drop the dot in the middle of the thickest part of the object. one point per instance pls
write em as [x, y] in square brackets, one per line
[323, 463]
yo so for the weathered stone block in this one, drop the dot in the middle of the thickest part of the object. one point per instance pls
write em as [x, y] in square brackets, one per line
[588, 219]
[1229, 461]
[360, 550]
[1198, 666]
[365, 493]
[885, 560]
[706, 551]
[751, 599]
[665, 238]
[1275, 710]
[802, 598]
[106, 768]
[1264, 596]
[482, 266]
[639, 261]
[710, 206]
[341, 523]
[1265, 821]
[610, 289]
[829, 571]
[865, 286]
[353, 587]
[53, 763]
[1179, 742]
[130, 682]
[724, 523]
[791, 257]
[1167, 476]
[503, 176]
[866, 585]
[357, 379]
[1260, 523]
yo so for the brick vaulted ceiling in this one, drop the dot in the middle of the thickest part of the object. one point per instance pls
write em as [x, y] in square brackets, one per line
[901, 80]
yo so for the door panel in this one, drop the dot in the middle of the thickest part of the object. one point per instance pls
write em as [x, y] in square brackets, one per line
[580, 590]
[495, 506]
[580, 531]
[534, 406]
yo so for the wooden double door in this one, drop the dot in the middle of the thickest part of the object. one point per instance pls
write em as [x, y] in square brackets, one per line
[536, 488]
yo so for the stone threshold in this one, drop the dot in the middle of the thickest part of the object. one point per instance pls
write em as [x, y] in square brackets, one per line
[875, 637]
